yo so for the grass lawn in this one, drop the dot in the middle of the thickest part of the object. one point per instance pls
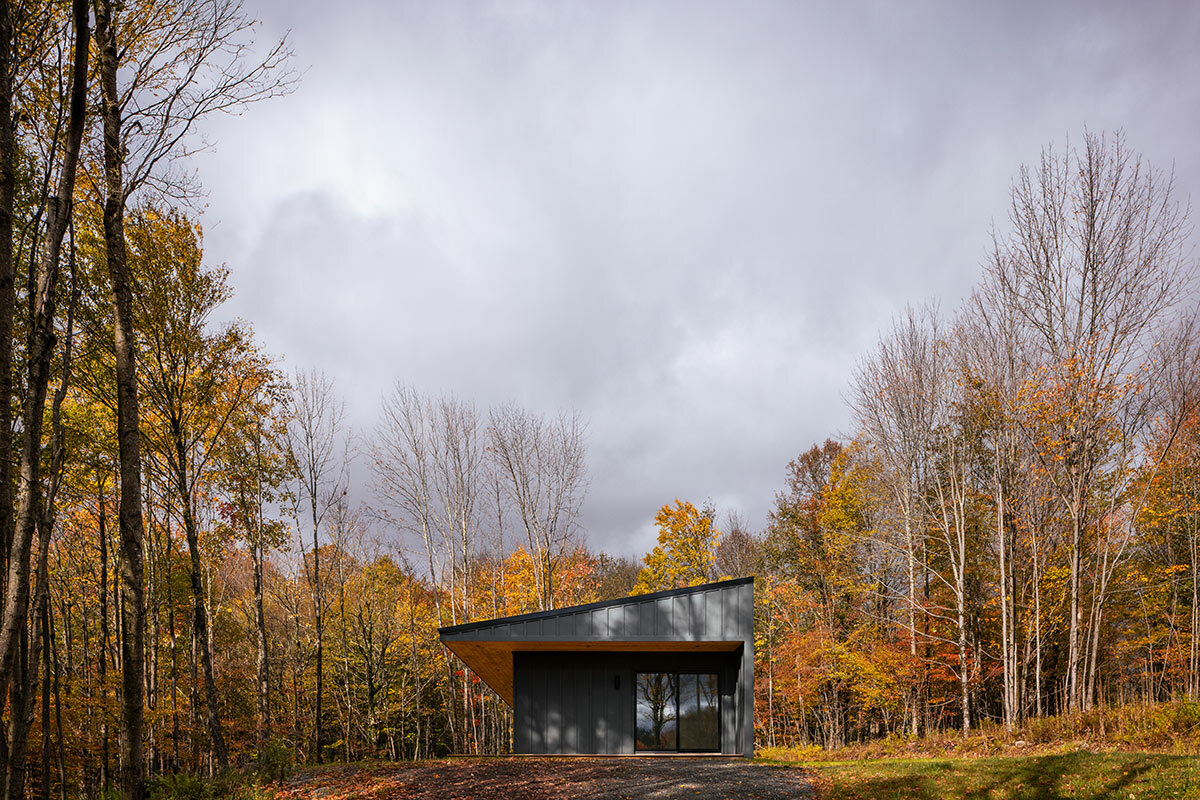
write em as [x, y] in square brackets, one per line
[1070, 775]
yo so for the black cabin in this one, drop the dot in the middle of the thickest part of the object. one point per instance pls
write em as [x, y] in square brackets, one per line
[669, 672]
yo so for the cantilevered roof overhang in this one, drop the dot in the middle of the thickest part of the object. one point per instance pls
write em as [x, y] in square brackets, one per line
[705, 618]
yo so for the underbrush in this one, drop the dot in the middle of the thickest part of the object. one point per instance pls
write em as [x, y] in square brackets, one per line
[190, 787]
[271, 767]
[1165, 727]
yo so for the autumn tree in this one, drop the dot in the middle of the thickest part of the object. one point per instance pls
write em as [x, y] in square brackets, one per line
[615, 576]
[19, 646]
[253, 473]
[898, 392]
[317, 455]
[162, 67]
[197, 377]
[1095, 260]
[829, 657]
[995, 363]
[684, 555]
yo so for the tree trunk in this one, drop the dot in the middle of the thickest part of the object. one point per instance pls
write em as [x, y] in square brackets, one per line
[296, 686]
[174, 671]
[261, 654]
[964, 677]
[1194, 661]
[58, 724]
[1075, 610]
[200, 615]
[102, 663]
[8, 182]
[1007, 628]
[44, 793]
[318, 732]
[345, 659]
[133, 610]
[912, 610]
[21, 719]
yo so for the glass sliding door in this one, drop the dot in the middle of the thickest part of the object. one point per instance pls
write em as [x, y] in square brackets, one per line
[677, 711]
[657, 711]
[699, 718]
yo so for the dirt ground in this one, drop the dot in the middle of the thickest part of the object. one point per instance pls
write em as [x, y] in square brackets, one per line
[555, 779]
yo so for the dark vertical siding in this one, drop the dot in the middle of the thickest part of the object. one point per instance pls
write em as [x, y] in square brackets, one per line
[521, 698]
[577, 708]
[535, 725]
[747, 715]
[624, 704]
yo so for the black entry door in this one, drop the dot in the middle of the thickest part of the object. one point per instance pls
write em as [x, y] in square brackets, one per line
[677, 711]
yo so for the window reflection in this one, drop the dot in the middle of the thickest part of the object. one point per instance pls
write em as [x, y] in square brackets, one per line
[677, 711]
[698, 716]
[656, 711]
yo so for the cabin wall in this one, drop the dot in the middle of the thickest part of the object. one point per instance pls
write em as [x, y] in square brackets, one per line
[571, 702]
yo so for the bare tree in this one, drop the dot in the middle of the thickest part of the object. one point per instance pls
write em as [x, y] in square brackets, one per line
[180, 62]
[459, 479]
[402, 461]
[948, 504]
[738, 553]
[1094, 261]
[544, 471]
[318, 453]
[428, 460]
[896, 396]
[996, 363]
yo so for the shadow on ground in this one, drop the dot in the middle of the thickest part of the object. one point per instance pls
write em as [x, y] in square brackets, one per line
[557, 779]
[1078, 776]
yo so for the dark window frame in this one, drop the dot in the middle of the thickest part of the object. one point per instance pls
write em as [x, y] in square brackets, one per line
[677, 673]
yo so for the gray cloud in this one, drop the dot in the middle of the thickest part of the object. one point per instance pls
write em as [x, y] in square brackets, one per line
[684, 220]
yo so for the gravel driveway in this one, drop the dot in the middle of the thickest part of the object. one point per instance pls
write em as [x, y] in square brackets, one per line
[557, 779]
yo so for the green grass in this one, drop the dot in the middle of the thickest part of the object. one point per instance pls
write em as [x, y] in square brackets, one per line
[1118, 776]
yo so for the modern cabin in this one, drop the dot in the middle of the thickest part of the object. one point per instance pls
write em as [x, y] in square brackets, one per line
[664, 673]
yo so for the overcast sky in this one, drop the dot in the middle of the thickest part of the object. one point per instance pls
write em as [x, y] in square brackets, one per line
[684, 220]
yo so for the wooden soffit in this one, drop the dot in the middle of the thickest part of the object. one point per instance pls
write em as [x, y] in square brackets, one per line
[492, 660]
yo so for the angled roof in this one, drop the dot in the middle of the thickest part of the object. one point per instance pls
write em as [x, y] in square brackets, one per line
[710, 617]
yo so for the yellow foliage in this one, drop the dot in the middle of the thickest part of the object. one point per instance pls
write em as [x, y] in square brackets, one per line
[687, 544]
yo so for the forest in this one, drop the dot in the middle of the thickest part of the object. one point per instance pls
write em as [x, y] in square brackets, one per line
[205, 567]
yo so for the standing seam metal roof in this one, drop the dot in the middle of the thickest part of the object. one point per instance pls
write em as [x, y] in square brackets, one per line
[621, 601]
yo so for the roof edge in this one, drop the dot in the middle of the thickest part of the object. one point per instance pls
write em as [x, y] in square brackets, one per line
[620, 601]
